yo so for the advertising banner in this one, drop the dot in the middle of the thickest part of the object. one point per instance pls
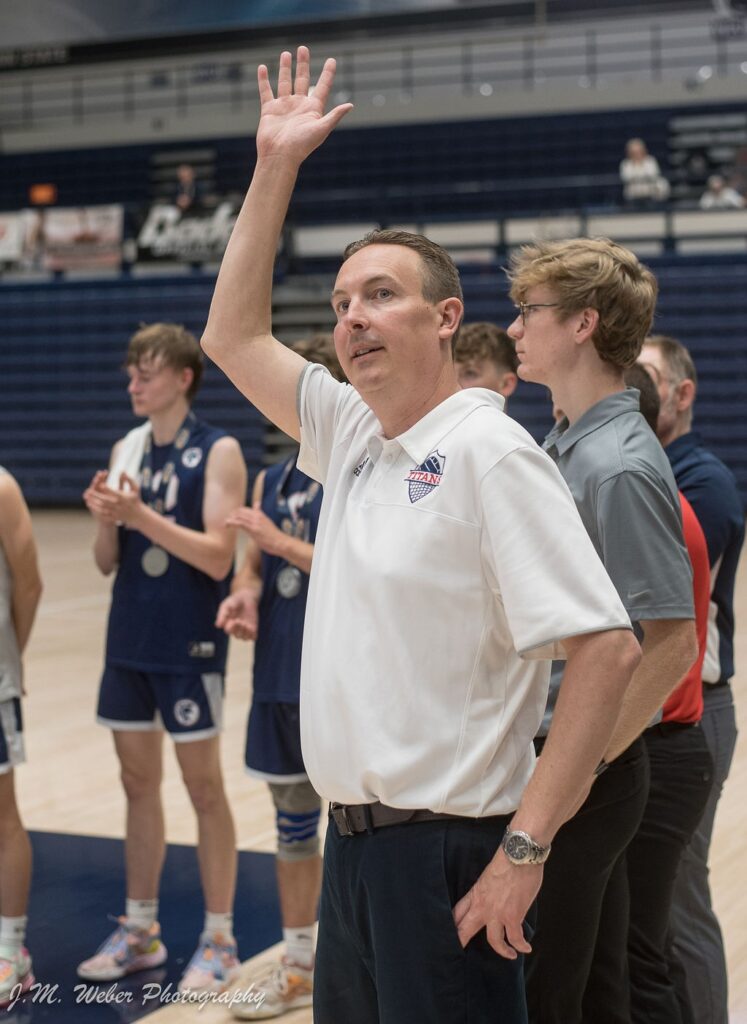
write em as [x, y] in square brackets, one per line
[12, 232]
[199, 236]
[83, 238]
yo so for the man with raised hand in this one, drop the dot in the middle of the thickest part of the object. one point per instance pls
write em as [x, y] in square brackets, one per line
[438, 591]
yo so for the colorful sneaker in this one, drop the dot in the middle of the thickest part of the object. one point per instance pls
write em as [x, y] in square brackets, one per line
[128, 949]
[213, 968]
[276, 990]
[15, 971]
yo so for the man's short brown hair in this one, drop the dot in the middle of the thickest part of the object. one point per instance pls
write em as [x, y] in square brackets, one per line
[439, 273]
[679, 361]
[484, 340]
[320, 348]
[637, 377]
[593, 273]
[172, 345]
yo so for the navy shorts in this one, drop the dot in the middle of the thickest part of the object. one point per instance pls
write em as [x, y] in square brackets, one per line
[188, 705]
[11, 735]
[273, 743]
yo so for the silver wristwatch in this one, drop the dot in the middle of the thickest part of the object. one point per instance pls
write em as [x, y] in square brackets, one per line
[520, 848]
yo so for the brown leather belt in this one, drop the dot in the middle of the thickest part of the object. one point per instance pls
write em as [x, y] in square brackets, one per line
[352, 819]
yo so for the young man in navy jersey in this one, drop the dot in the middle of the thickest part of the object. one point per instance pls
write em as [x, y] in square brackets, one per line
[268, 605]
[161, 523]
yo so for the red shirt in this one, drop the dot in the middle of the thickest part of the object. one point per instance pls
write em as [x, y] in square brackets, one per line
[686, 703]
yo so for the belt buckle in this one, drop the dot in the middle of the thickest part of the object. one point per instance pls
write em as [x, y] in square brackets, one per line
[340, 816]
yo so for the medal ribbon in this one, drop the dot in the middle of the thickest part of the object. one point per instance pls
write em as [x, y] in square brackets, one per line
[155, 497]
[292, 523]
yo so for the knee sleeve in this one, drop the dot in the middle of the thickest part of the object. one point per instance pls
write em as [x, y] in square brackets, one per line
[297, 808]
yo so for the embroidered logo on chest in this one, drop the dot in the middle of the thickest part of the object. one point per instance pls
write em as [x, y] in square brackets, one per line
[192, 457]
[426, 477]
[361, 466]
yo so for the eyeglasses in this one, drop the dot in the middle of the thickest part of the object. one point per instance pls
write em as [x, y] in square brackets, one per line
[525, 308]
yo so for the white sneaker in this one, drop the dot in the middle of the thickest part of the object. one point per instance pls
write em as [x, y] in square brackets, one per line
[214, 967]
[126, 950]
[276, 990]
[14, 971]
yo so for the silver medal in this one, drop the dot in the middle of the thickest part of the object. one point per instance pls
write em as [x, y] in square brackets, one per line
[289, 581]
[154, 562]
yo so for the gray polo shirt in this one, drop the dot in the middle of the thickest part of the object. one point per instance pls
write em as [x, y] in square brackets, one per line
[625, 492]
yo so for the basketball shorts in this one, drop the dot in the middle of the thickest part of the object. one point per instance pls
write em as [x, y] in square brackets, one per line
[273, 743]
[188, 705]
[12, 751]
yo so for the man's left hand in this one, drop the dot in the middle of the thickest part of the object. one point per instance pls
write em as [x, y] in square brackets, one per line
[499, 901]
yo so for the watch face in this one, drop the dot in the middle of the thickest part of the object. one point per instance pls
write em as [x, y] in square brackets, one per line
[517, 847]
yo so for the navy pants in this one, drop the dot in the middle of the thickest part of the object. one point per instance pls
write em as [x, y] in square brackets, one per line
[388, 951]
[578, 970]
[681, 777]
[698, 946]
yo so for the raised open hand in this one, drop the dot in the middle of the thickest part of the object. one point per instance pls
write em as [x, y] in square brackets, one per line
[293, 123]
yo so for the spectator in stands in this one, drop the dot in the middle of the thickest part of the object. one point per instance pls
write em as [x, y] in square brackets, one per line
[719, 196]
[416, 722]
[485, 357]
[584, 309]
[681, 774]
[160, 517]
[188, 192]
[712, 491]
[642, 180]
[268, 605]
[20, 590]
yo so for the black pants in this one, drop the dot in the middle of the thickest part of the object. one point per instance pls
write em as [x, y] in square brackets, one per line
[578, 970]
[681, 775]
[388, 951]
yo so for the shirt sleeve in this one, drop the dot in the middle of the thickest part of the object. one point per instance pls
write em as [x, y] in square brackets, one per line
[643, 549]
[320, 398]
[713, 494]
[539, 558]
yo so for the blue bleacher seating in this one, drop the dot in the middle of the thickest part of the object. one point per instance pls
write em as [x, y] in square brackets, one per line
[64, 401]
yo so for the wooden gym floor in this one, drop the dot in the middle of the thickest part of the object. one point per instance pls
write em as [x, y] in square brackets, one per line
[70, 784]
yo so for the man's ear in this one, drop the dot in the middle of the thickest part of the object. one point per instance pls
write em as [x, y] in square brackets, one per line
[508, 384]
[685, 394]
[587, 323]
[452, 311]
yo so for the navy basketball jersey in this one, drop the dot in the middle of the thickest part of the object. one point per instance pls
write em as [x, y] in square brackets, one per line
[293, 501]
[163, 610]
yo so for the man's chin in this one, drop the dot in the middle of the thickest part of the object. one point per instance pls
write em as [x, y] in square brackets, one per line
[524, 373]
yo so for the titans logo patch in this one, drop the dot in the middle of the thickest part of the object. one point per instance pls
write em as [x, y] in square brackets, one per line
[426, 477]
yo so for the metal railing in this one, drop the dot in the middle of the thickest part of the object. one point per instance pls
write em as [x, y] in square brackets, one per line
[380, 73]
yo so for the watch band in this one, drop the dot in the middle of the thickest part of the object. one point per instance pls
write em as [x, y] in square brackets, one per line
[520, 848]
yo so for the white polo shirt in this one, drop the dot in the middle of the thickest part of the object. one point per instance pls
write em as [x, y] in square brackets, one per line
[449, 562]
